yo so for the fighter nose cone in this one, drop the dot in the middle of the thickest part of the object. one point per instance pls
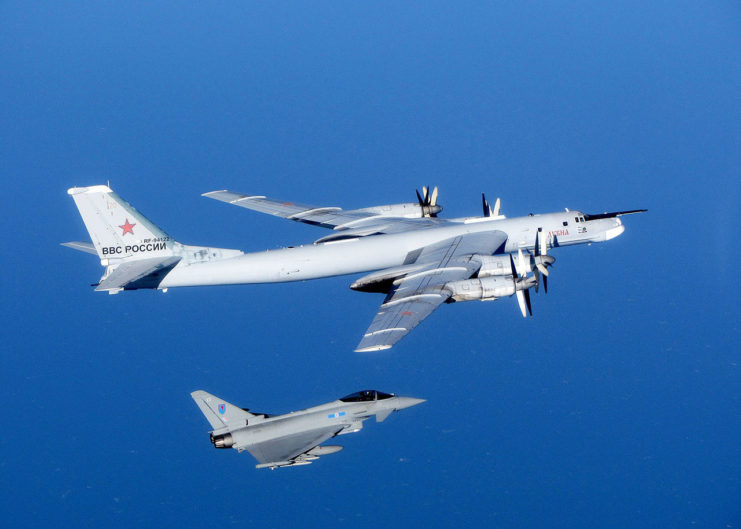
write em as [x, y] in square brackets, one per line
[407, 402]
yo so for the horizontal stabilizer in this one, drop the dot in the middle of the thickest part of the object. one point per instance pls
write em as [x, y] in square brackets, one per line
[142, 273]
[81, 246]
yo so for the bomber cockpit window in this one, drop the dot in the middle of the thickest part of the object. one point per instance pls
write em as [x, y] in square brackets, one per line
[360, 396]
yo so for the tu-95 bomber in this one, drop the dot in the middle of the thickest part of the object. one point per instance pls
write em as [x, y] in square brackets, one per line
[417, 259]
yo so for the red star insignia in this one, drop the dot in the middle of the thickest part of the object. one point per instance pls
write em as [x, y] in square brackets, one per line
[127, 228]
[407, 313]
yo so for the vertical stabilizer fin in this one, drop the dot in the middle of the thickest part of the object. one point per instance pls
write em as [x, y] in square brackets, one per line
[116, 228]
[219, 412]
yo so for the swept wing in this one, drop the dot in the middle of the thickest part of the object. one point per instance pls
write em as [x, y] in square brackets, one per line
[415, 296]
[292, 449]
[362, 222]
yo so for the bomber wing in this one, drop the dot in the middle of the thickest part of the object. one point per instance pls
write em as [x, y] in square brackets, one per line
[298, 448]
[415, 296]
[361, 221]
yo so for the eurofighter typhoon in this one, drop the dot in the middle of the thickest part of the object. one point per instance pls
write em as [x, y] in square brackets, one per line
[416, 259]
[293, 439]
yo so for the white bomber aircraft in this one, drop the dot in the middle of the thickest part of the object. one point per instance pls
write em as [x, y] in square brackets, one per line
[417, 259]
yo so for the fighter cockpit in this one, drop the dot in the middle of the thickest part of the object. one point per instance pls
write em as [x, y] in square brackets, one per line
[367, 395]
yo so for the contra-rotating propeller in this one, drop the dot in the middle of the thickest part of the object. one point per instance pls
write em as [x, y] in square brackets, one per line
[522, 285]
[428, 202]
[488, 211]
[541, 261]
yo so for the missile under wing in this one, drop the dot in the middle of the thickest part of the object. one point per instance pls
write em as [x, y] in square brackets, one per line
[294, 439]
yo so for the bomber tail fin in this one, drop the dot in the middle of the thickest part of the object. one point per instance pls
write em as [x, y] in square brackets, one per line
[136, 253]
[116, 228]
[220, 414]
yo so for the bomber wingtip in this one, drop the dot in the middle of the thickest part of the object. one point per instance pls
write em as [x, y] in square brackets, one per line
[209, 193]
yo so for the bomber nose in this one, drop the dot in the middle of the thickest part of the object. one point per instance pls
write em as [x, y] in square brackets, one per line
[614, 232]
[407, 402]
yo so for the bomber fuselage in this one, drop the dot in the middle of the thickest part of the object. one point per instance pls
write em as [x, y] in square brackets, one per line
[364, 254]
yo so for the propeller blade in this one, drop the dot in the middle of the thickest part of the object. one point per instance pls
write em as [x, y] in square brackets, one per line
[515, 275]
[545, 284]
[485, 205]
[542, 268]
[419, 198]
[425, 193]
[536, 273]
[497, 205]
[433, 199]
[526, 294]
[521, 262]
[544, 246]
[521, 302]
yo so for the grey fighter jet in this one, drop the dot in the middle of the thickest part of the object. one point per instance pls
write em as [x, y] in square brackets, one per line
[416, 259]
[294, 438]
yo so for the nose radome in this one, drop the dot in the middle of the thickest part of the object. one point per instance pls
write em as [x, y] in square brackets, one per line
[614, 232]
[407, 402]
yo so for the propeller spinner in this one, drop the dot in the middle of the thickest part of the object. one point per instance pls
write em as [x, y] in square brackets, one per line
[428, 202]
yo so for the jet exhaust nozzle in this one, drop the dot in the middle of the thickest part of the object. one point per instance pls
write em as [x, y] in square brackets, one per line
[222, 441]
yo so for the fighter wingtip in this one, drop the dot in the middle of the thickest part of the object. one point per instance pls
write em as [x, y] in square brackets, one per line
[372, 348]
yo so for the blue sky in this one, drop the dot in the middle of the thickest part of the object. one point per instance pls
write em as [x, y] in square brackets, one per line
[617, 405]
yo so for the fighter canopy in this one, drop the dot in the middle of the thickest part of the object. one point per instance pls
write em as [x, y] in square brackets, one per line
[366, 395]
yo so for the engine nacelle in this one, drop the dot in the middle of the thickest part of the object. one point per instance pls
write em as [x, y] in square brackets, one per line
[494, 265]
[410, 210]
[222, 441]
[500, 265]
[479, 289]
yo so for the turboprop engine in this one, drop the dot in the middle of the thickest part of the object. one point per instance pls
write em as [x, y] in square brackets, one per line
[410, 210]
[500, 265]
[487, 288]
[511, 279]
[426, 206]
